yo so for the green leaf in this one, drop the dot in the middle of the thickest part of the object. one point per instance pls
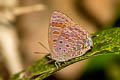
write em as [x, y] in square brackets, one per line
[106, 42]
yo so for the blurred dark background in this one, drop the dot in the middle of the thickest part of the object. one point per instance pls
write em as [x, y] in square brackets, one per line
[20, 34]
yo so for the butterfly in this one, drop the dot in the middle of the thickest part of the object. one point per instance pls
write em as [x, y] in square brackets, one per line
[67, 40]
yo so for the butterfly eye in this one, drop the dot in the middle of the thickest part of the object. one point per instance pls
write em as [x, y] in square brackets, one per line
[91, 46]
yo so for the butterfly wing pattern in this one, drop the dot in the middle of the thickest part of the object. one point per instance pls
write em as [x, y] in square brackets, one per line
[67, 40]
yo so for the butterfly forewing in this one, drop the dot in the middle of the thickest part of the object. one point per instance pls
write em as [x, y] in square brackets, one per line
[58, 22]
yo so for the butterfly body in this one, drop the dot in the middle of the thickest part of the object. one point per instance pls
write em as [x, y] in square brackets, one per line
[67, 40]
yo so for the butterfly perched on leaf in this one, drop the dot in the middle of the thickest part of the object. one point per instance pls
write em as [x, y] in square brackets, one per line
[67, 40]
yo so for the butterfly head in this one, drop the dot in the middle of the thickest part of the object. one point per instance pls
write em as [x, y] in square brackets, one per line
[90, 43]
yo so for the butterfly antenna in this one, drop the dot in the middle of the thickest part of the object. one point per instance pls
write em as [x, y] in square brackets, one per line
[44, 47]
[39, 53]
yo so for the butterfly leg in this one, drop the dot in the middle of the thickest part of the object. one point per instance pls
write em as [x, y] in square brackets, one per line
[57, 64]
[65, 62]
